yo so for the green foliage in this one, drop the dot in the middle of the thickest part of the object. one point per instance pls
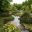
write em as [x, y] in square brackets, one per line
[4, 4]
[4, 7]
[6, 10]
[18, 6]
[7, 19]
[10, 28]
[1, 23]
[26, 18]
[26, 6]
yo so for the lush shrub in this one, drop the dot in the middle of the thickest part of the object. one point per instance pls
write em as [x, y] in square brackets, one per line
[10, 28]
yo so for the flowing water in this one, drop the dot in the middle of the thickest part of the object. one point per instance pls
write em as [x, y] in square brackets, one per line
[16, 20]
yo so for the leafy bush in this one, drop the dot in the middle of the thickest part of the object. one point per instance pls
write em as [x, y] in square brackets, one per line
[10, 28]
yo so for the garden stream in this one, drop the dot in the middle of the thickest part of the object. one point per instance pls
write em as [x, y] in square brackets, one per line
[17, 23]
